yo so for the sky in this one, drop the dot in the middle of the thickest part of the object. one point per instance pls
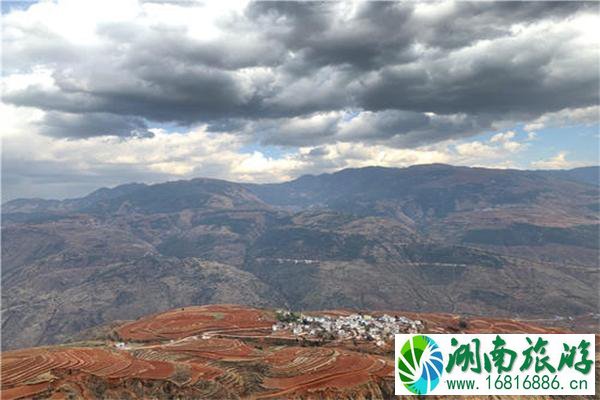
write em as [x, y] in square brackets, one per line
[100, 93]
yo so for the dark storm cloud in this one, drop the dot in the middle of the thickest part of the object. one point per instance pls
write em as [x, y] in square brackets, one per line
[417, 76]
[318, 152]
[373, 37]
[528, 10]
[506, 82]
[472, 21]
[314, 129]
[78, 126]
[185, 94]
[401, 128]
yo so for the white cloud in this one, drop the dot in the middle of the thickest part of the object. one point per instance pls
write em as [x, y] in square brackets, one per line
[476, 149]
[361, 155]
[109, 160]
[559, 161]
[506, 142]
[492, 153]
[17, 121]
[531, 135]
[567, 116]
[503, 137]
[512, 146]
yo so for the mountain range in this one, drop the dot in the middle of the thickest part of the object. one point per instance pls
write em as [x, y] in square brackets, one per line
[430, 238]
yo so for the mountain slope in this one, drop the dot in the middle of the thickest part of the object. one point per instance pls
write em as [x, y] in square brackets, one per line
[427, 192]
[141, 198]
[589, 175]
[426, 238]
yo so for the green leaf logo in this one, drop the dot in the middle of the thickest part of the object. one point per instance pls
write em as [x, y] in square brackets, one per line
[420, 364]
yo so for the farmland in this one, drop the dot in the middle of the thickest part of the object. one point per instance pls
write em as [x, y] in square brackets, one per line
[219, 351]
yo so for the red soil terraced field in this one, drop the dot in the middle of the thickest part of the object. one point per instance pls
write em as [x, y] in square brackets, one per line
[189, 321]
[447, 323]
[194, 348]
[216, 352]
[311, 370]
[42, 371]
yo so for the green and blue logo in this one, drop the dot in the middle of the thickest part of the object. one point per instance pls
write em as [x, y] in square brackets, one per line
[420, 364]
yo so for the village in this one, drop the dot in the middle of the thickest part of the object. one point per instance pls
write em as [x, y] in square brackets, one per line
[364, 327]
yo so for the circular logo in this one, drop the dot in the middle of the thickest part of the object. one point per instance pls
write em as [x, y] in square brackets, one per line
[420, 364]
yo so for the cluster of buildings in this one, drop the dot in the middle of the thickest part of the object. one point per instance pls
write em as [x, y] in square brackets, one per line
[380, 330]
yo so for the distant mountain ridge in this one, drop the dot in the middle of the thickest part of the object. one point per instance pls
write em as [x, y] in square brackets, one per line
[588, 175]
[425, 238]
[378, 183]
[160, 197]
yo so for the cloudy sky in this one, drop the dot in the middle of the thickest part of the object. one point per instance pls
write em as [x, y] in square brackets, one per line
[108, 92]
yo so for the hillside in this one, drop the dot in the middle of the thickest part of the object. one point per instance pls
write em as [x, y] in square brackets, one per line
[224, 351]
[430, 238]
